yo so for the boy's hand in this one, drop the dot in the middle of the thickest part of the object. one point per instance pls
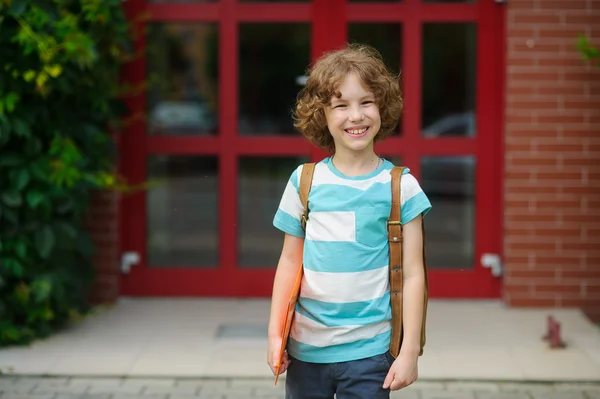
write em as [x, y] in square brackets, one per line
[273, 356]
[404, 371]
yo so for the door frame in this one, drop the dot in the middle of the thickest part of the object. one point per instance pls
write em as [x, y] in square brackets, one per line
[329, 25]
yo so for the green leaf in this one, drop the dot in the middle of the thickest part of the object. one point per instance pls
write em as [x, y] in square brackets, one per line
[13, 267]
[10, 101]
[67, 228]
[22, 179]
[21, 249]
[34, 198]
[11, 160]
[41, 289]
[12, 198]
[33, 146]
[37, 169]
[21, 128]
[44, 241]
[54, 70]
[10, 215]
[17, 7]
[29, 75]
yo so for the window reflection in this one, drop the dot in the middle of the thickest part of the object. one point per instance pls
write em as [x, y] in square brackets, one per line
[449, 182]
[182, 211]
[273, 60]
[182, 74]
[449, 56]
[261, 184]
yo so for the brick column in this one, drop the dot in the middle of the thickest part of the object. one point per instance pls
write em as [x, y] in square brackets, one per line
[103, 225]
[552, 161]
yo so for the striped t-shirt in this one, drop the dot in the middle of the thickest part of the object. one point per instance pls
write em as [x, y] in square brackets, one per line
[343, 311]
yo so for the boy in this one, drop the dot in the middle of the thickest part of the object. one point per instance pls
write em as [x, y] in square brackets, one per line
[339, 342]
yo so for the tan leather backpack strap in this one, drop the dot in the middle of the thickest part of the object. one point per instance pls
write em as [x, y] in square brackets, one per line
[305, 184]
[395, 243]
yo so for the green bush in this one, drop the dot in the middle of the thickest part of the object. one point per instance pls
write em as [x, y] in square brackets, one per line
[588, 52]
[59, 101]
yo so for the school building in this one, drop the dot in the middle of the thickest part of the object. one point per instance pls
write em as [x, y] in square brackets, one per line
[501, 127]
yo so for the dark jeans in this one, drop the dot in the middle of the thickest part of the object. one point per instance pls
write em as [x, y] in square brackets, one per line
[357, 379]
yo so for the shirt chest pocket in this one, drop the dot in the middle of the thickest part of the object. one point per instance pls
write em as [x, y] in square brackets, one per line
[371, 225]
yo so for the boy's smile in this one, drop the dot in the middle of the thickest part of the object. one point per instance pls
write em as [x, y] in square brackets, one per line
[353, 119]
[359, 131]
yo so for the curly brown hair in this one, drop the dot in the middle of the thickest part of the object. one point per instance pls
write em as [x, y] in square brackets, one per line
[323, 83]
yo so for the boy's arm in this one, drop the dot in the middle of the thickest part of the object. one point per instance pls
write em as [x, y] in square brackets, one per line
[288, 267]
[413, 287]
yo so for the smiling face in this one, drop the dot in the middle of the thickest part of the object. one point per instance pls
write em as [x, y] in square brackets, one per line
[353, 119]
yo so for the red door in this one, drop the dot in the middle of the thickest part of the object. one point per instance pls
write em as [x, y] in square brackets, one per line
[212, 131]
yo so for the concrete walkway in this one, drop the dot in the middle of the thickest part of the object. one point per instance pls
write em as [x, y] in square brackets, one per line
[479, 340]
[167, 388]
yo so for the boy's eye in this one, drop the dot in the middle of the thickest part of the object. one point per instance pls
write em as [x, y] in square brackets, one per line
[367, 102]
[340, 106]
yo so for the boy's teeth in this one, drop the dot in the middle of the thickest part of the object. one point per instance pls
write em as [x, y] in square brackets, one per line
[357, 131]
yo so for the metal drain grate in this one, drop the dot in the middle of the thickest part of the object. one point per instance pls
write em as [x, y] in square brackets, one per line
[242, 330]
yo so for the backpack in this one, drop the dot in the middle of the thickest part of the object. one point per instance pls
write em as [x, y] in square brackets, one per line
[395, 273]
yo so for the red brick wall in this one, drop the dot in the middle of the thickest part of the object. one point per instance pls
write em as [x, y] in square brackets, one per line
[552, 161]
[103, 225]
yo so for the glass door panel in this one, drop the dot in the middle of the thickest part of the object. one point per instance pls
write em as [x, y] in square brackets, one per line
[182, 62]
[449, 77]
[450, 185]
[182, 212]
[271, 73]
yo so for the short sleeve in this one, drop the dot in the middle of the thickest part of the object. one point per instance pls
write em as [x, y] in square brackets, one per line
[413, 200]
[289, 213]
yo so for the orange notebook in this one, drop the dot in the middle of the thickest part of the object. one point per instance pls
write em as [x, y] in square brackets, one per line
[289, 318]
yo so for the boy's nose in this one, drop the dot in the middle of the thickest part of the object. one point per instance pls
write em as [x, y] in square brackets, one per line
[356, 115]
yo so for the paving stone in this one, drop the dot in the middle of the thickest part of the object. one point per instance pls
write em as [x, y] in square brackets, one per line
[583, 387]
[406, 393]
[138, 396]
[473, 386]
[15, 395]
[105, 382]
[239, 390]
[559, 395]
[432, 385]
[158, 390]
[84, 396]
[502, 395]
[525, 387]
[208, 383]
[45, 388]
[211, 396]
[149, 382]
[444, 394]
[268, 383]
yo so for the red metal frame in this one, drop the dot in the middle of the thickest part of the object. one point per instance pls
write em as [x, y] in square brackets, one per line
[329, 20]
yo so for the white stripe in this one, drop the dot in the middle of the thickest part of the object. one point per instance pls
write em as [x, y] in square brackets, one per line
[345, 287]
[331, 226]
[325, 176]
[290, 201]
[410, 188]
[310, 332]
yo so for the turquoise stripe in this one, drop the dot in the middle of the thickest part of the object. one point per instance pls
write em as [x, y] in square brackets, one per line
[340, 198]
[416, 205]
[341, 353]
[346, 314]
[344, 257]
[288, 224]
